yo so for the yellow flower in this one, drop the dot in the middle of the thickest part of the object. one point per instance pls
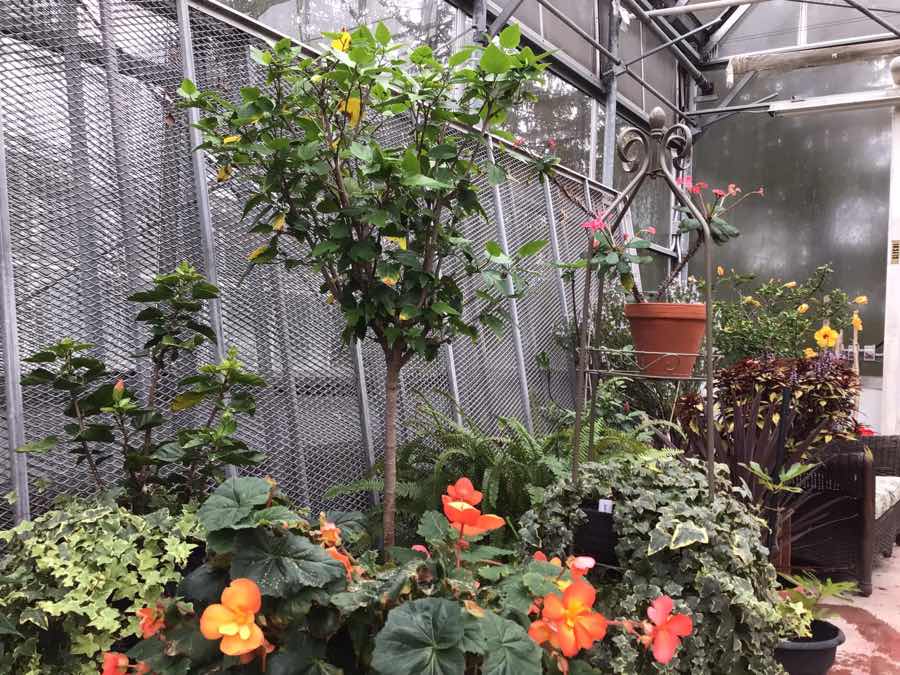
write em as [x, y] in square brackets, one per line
[404, 316]
[803, 309]
[791, 284]
[856, 321]
[400, 241]
[750, 300]
[278, 223]
[223, 173]
[352, 107]
[342, 43]
[810, 353]
[861, 300]
[389, 281]
[826, 336]
[231, 139]
[720, 271]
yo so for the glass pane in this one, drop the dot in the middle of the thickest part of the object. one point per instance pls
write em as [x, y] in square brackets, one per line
[411, 21]
[562, 113]
[840, 21]
[772, 24]
[582, 12]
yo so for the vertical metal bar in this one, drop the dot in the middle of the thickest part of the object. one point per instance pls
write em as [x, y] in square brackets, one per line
[201, 193]
[198, 163]
[365, 417]
[453, 384]
[890, 388]
[609, 131]
[15, 408]
[513, 306]
[592, 141]
[554, 247]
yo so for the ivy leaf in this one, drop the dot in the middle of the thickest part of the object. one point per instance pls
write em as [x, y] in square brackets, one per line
[688, 533]
[283, 564]
[508, 649]
[422, 637]
[229, 507]
[659, 540]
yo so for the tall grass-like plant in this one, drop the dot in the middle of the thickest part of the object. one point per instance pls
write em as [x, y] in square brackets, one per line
[378, 218]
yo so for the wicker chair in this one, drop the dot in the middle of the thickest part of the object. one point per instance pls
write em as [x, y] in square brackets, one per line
[864, 520]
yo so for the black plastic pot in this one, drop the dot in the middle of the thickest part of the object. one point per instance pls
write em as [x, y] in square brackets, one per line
[597, 537]
[813, 655]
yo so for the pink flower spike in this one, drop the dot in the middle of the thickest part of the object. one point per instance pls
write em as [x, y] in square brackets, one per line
[519, 142]
[581, 565]
[685, 181]
[626, 236]
[421, 549]
[698, 186]
[719, 193]
[650, 230]
[595, 224]
[733, 189]
[551, 143]
[762, 192]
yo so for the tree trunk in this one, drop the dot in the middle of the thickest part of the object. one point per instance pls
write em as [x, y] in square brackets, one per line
[391, 388]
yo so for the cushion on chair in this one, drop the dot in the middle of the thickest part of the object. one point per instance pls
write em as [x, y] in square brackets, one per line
[887, 493]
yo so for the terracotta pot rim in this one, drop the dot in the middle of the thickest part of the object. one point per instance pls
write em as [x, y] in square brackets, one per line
[666, 310]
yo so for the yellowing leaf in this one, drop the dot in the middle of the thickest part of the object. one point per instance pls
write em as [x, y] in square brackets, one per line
[389, 281]
[278, 223]
[352, 107]
[231, 139]
[400, 241]
[223, 173]
[258, 252]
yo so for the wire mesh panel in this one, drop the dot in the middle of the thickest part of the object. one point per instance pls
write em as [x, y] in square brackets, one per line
[6, 510]
[307, 419]
[99, 189]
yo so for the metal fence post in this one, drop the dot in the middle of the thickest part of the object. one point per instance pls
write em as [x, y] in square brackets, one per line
[15, 409]
[453, 383]
[201, 192]
[365, 417]
[513, 306]
[554, 247]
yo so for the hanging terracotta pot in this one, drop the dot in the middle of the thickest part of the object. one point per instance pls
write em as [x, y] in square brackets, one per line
[670, 332]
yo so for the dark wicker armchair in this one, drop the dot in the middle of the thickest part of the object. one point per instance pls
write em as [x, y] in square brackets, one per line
[856, 501]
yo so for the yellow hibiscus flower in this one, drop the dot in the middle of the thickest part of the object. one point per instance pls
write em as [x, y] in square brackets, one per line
[803, 309]
[342, 43]
[810, 353]
[861, 300]
[856, 321]
[352, 107]
[826, 337]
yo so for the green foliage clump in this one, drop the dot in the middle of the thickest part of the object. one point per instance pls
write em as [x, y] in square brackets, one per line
[708, 557]
[777, 317]
[512, 466]
[72, 580]
[107, 418]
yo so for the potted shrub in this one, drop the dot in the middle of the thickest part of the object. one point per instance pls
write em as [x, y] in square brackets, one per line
[813, 652]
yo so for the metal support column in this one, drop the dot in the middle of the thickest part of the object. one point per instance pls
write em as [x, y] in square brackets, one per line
[453, 384]
[554, 247]
[365, 417]
[201, 192]
[513, 306]
[12, 367]
[890, 389]
[609, 131]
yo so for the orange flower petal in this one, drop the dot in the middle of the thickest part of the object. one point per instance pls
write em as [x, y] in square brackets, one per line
[664, 645]
[464, 491]
[242, 595]
[681, 625]
[658, 612]
[565, 639]
[213, 618]
[235, 645]
[461, 512]
[489, 522]
[553, 608]
[343, 559]
[539, 631]
[579, 595]
[590, 628]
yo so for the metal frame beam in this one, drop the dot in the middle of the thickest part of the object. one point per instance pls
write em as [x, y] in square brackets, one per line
[700, 6]
[12, 366]
[733, 17]
[877, 19]
[722, 62]
[665, 45]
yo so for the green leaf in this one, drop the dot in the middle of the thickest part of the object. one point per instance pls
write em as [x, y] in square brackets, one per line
[229, 507]
[43, 356]
[531, 248]
[422, 637]
[510, 36]
[496, 175]
[688, 533]
[508, 649]
[283, 563]
[659, 540]
[39, 447]
[493, 249]
[382, 34]
[187, 90]
[461, 56]
[204, 585]
[494, 60]
[444, 308]
[420, 180]
[186, 399]
[203, 290]
[433, 527]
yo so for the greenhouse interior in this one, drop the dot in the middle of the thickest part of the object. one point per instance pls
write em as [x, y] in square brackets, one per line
[457, 337]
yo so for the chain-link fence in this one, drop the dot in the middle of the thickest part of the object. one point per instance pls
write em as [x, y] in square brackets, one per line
[102, 196]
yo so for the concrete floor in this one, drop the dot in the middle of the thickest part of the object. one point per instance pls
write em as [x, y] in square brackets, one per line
[872, 625]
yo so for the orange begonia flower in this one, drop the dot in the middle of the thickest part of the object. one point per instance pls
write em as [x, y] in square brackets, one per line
[342, 558]
[234, 620]
[463, 491]
[580, 565]
[468, 520]
[329, 533]
[665, 630]
[569, 623]
[153, 620]
[540, 556]
[114, 663]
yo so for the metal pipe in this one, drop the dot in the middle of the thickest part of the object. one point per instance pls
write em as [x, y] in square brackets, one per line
[453, 383]
[513, 305]
[844, 42]
[12, 366]
[680, 56]
[877, 19]
[554, 246]
[503, 17]
[700, 6]
[365, 416]
[611, 102]
[665, 45]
